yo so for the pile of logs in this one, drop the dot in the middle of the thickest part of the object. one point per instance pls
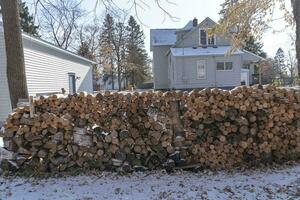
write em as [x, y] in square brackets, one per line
[210, 128]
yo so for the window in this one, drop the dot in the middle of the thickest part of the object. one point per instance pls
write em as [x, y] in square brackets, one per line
[201, 69]
[222, 66]
[211, 40]
[205, 39]
[246, 66]
[228, 65]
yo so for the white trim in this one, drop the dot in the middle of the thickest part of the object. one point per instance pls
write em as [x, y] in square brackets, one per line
[207, 37]
[224, 65]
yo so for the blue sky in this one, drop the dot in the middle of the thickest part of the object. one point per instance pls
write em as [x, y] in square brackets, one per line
[185, 10]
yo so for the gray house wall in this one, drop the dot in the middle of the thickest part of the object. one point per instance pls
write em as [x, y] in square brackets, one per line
[160, 67]
[177, 71]
[191, 38]
[184, 72]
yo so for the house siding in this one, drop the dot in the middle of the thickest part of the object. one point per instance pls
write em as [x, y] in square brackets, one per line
[46, 72]
[185, 72]
[191, 39]
[160, 67]
[5, 105]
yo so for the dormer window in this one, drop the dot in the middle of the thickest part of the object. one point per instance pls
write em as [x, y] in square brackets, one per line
[205, 40]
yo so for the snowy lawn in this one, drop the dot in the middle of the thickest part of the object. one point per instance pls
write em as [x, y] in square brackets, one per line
[277, 183]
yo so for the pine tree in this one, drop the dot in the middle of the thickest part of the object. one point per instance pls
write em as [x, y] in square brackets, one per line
[279, 60]
[254, 46]
[27, 20]
[137, 62]
[84, 50]
[106, 48]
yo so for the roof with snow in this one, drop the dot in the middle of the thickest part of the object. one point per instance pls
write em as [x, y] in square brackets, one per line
[200, 51]
[161, 37]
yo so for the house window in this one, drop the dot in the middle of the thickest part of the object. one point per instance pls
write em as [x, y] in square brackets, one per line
[211, 40]
[246, 66]
[205, 39]
[224, 66]
[201, 69]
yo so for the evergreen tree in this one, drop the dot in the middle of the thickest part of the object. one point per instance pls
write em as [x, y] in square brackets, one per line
[84, 50]
[137, 62]
[27, 20]
[279, 60]
[106, 48]
[254, 46]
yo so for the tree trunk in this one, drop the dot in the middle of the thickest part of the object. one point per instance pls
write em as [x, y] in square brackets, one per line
[14, 51]
[296, 12]
[112, 74]
[119, 76]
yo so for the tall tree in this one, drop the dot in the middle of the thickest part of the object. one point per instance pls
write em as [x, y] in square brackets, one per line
[291, 64]
[119, 50]
[85, 51]
[27, 20]
[14, 51]
[254, 46]
[296, 12]
[137, 58]
[106, 47]
[245, 18]
[279, 60]
[89, 44]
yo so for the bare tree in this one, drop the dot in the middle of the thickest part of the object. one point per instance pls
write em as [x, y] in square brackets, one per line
[60, 19]
[89, 45]
[14, 51]
[119, 48]
[89, 34]
[291, 64]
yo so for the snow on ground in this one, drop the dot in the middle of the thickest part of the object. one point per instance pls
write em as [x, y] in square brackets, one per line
[259, 184]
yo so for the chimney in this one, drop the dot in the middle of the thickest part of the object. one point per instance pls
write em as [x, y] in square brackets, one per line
[195, 22]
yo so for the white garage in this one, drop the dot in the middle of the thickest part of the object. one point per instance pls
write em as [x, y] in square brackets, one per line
[48, 70]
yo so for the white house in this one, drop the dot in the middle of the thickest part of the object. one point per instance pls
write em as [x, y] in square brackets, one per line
[48, 69]
[189, 57]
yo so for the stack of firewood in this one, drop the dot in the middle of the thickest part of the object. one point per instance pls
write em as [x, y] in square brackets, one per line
[210, 128]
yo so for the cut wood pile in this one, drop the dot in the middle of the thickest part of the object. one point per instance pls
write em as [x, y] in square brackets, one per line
[210, 128]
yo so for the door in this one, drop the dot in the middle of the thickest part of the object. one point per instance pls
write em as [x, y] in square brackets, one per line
[245, 76]
[72, 83]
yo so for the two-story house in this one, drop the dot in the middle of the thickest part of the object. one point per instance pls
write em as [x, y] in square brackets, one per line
[189, 58]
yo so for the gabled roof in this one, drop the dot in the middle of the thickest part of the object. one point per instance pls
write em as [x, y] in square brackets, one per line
[200, 51]
[54, 47]
[188, 26]
[251, 56]
[49, 45]
[207, 22]
[166, 37]
[162, 37]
